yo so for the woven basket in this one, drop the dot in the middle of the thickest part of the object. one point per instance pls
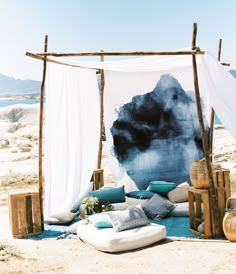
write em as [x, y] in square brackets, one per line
[198, 174]
[229, 221]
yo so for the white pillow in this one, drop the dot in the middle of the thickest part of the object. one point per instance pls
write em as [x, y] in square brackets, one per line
[179, 194]
[132, 202]
[73, 228]
[108, 240]
[60, 218]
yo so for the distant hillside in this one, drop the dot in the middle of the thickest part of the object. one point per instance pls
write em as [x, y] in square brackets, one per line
[11, 86]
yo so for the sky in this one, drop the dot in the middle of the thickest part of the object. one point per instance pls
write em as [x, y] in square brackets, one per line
[111, 25]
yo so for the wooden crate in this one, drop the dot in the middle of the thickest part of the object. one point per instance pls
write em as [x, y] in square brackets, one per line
[25, 214]
[98, 178]
[199, 205]
[199, 211]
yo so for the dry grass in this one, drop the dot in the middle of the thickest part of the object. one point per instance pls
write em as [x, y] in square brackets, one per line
[8, 251]
[18, 180]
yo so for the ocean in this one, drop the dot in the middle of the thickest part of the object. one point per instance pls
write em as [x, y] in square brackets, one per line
[217, 121]
[5, 103]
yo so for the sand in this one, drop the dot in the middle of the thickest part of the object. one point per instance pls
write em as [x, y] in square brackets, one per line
[18, 172]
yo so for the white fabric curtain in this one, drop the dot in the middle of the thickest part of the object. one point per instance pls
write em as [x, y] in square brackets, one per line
[71, 134]
[71, 141]
[218, 87]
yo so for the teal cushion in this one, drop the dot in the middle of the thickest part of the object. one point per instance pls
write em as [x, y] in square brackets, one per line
[140, 194]
[100, 220]
[161, 187]
[109, 194]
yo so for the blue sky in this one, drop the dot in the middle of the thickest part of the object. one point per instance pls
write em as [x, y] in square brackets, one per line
[112, 25]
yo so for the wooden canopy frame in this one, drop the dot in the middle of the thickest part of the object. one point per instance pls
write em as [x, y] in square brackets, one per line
[206, 146]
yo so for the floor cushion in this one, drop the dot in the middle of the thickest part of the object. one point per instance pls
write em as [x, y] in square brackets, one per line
[179, 194]
[180, 210]
[60, 218]
[108, 240]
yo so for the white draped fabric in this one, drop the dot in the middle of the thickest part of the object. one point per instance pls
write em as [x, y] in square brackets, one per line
[72, 116]
[71, 134]
[218, 87]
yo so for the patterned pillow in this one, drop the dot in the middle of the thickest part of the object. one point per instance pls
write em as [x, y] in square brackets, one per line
[157, 207]
[129, 218]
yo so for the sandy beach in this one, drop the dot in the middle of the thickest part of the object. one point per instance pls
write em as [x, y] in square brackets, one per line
[18, 172]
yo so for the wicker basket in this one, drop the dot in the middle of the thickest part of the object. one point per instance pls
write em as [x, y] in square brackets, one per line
[229, 221]
[198, 174]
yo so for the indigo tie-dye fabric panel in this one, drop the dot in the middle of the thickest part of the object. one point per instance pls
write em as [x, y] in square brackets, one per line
[156, 135]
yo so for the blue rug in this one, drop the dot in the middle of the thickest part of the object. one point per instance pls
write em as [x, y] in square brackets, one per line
[54, 232]
[176, 227]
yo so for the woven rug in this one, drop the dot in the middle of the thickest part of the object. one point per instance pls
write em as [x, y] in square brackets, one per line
[177, 227]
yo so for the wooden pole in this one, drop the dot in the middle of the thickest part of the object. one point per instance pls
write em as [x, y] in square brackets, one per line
[211, 130]
[213, 197]
[40, 146]
[125, 53]
[101, 115]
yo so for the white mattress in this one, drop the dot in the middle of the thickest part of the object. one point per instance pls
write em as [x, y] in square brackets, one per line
[106, 239]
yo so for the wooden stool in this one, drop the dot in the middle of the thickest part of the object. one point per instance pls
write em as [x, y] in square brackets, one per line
[197, 213]
[25, 214]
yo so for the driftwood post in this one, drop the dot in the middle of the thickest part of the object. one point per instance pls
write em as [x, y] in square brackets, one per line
[211, 131]
[101, 114]
[212, 191]
[40, 147]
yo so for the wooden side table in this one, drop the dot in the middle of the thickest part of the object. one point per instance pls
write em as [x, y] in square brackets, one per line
[199, 211]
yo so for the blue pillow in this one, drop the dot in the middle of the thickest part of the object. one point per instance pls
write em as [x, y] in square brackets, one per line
[140, 194]
[109, 194]
[100, 220]
[161, 187]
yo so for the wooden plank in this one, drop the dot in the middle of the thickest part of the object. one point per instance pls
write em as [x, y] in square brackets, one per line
[227, 184]
[22, 215]
[220, 179]
[198, 206]
[36, 213]
[207, 215]
[14, 217]
[221, 203]
[29, 215]
[191, 209]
